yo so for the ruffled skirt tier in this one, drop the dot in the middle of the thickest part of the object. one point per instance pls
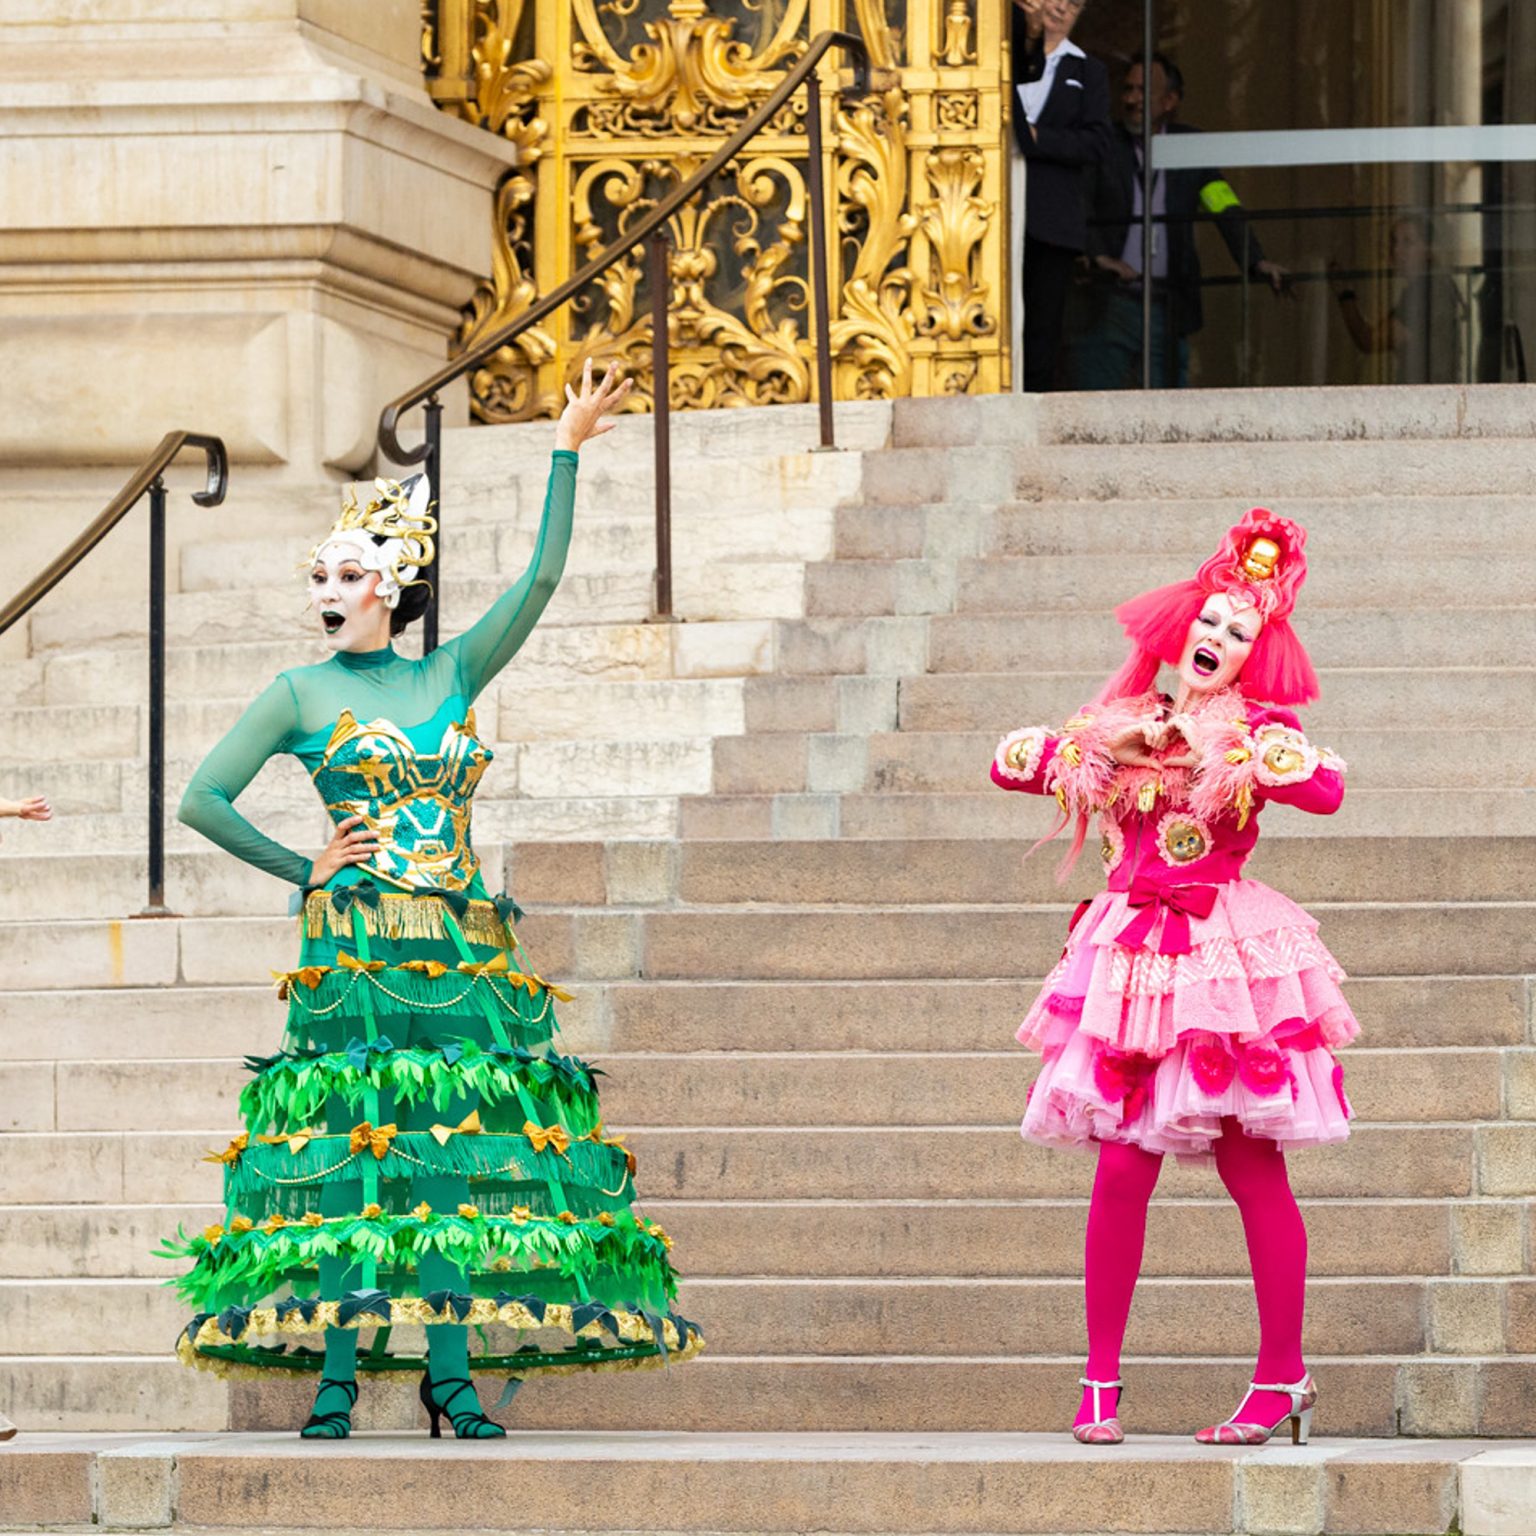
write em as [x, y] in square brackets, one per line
[1157, 1050]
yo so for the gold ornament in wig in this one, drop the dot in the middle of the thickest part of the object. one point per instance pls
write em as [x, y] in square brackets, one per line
[1262, 560]
[387, 527]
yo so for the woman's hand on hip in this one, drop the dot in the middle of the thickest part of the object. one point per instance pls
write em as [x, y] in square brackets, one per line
[353, 843]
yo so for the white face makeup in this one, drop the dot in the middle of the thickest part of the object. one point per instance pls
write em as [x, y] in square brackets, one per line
[352, 615]
[1219, 642]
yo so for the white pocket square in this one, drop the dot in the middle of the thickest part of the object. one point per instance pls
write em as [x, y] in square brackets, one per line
[1075, 84]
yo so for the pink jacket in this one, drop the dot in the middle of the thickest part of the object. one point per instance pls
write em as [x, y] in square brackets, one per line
[1179, 826]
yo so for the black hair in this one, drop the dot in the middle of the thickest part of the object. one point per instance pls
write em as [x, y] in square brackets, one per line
[1171, 71]
[413, 603]
[413, 600]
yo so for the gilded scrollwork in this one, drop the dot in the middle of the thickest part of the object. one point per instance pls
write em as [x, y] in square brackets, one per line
[612, 103]
[872, 338]
[956, 48]
[504, 98]
[957, 111]
[954, 221]
[734, 298]
[882, 34]
[693, 72]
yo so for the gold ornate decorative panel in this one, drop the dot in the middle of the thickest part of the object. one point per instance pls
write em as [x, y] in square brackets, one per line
[613, 103]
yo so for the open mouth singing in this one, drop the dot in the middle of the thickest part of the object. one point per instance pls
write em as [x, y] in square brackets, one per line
[1205, 661]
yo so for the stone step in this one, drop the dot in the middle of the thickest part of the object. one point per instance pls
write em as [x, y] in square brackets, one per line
[805, 1088]
[1381, 698]
[846, 942]
[1403, 580]
[1250, 473]
[990, 813]
[934, 762]
[1364, 524]
[854, 1315]
[1235, 417]
[558, 656]
[806, 943]
[938, 1483]
[795, 1393]
[932, 871]
[490, 454]
[1346, 526]
[1188, 1237]
[922, 870]
[1335, 637]
[609, 540]
[639, 1016]
[719, 591]
[1421, 1160]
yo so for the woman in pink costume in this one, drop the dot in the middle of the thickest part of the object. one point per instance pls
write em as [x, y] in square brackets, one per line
[1194, 1011]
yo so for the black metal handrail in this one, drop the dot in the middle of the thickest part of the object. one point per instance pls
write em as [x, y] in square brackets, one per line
[426, 394]
[147, 477]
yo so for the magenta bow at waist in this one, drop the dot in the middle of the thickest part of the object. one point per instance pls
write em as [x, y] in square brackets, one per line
[1178, 903]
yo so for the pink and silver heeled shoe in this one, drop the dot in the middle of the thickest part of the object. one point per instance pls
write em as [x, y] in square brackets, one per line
[1302, 1393]
[1099, 1430]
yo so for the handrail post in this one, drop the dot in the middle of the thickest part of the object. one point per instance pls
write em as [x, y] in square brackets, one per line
[156, 906]
[433, 468]
[816, 190]
[660, 265]
[1148, 190]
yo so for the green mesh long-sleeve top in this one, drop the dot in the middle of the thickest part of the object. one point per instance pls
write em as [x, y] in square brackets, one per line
[385, 737]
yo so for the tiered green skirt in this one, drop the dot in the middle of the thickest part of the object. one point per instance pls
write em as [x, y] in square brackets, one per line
[419, 1154]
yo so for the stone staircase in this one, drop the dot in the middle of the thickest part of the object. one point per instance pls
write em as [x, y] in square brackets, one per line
[762, 847]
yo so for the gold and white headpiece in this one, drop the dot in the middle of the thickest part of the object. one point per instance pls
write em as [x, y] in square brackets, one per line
[386, 526]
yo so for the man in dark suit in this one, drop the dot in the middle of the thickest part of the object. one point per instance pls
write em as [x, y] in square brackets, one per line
[1107, 351]
[1061, 118]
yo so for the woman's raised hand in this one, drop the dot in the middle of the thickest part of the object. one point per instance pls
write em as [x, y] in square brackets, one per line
[583, 414]
[353, 843]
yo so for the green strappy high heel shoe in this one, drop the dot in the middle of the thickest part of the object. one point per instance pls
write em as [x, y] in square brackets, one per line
[469, 1423]
[336, 1425]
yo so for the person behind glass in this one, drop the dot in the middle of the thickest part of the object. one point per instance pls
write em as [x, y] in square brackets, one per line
[1107, 352]
[1420, 330]
[34, 808]
[1061, 118]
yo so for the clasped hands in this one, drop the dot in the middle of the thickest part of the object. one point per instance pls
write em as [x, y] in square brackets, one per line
[1146, 744]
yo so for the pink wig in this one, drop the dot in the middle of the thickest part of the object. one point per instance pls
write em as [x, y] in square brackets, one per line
[1278, 670]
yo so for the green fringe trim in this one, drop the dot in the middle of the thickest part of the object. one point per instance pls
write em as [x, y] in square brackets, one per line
[262, 1171]
[405, 917]
[354, 996]
[289, 1091]
[229, 1265]
[599, 1325]
[241, 1362]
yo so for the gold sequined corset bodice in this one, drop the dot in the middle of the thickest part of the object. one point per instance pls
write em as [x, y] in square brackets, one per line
[414, 797]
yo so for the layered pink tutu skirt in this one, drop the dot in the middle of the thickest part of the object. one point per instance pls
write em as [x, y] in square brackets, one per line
[1156, 1049]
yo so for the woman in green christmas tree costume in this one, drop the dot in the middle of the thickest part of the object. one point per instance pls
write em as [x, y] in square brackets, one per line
[418, 1160]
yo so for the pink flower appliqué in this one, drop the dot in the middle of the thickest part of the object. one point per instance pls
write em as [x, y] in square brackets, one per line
[1338, 1088]
[1263, 1069]
[1210, 1064]
[1115, 1073]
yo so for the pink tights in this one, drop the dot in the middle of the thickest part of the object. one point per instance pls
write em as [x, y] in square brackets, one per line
[1253, 1171]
